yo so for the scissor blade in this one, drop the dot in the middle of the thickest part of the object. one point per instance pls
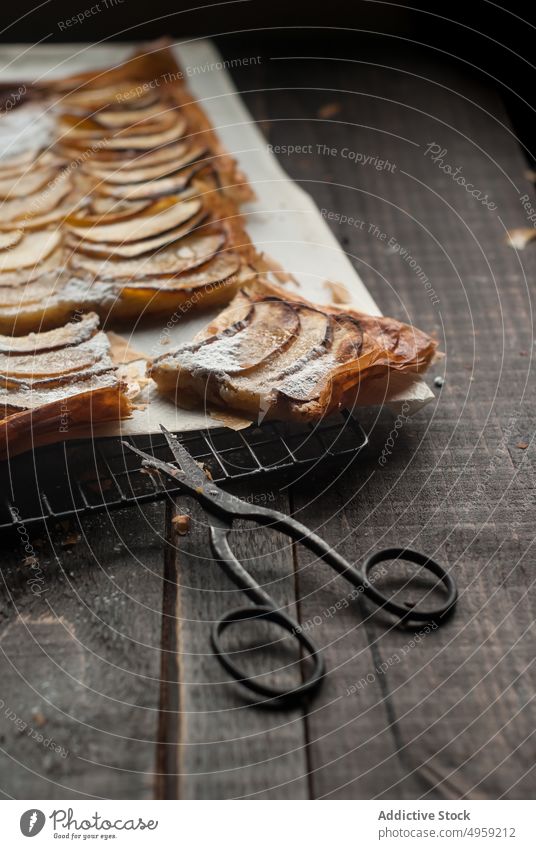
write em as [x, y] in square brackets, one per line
[162, 466]
[195, 475]
[219, 505]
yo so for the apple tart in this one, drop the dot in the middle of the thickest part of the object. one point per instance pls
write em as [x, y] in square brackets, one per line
[274, 355]
[123, 194]
[117, 200]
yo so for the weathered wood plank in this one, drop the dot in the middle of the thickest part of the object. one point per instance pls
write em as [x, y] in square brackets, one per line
[228, 749]
[80, 661]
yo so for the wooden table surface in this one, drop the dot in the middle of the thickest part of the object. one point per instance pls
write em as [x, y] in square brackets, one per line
[109, 688]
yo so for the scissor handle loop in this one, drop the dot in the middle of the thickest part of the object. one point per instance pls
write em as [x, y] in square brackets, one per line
[280, 696]
[360, 577]
[404, 611]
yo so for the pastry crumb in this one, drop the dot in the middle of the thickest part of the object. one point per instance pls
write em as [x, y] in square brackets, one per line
[181, 524]
[338, 292]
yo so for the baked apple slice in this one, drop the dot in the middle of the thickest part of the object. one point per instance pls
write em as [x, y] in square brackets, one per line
[110, 159]
[9, 239]
[130, 250]
[99, 210]
[116, 119]
[31, 250]
[70, 334]
[172, 185]
[39, 203]
[220, 268]
[49, 367]
[122, 141]
[31, 180]
[169, 262]
[121, 175]
[87, 128]
[151, 223]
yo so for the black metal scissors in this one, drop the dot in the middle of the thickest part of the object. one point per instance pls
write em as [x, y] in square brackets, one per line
[222, 509]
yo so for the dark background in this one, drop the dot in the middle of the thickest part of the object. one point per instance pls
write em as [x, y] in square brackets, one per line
[487, 39]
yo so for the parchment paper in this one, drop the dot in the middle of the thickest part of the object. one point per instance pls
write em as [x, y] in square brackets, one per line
[283, 221]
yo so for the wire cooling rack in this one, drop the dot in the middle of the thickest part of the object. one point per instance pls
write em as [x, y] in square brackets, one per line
[60, 481]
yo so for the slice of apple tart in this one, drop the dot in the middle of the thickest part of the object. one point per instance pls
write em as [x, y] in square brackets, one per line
[53, 381]
[274, 355]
